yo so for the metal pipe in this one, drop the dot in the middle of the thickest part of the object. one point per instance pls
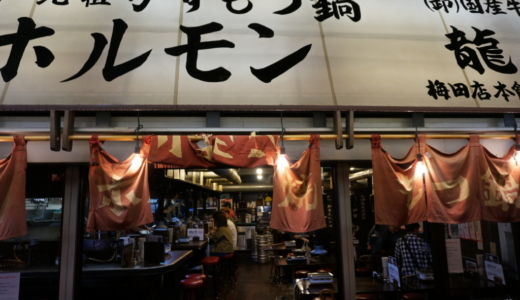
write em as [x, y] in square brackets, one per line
[301, 137]
[229, 174]
[247, 188]
[360, 175]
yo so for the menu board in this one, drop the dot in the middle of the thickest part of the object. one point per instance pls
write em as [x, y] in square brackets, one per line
[454, 256]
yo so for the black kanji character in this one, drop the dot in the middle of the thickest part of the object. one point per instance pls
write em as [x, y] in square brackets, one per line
[245, 10]
[195, 4]
[324, 10]
[192, 49]
[263, 31]
[110, 71]
[95, 2]
[140, 7]
[438, 89]
[514, 5]
[56, 2]
[487, 48]
[473, 6]
[465, 56]
[459, 90]
[502, 91]
[480, 91]
[516, 88]
[295, 5]
[491, 54]
[26, 32]
[346, 7]
[494, 6]
[441, 4]
[278, 68]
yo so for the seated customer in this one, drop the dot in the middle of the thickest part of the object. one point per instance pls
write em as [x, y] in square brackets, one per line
[221, 238]
[411, 253]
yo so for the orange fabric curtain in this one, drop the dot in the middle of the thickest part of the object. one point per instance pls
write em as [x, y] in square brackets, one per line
[469, 185]
[119, 193]
[12, 191]
[297, 192]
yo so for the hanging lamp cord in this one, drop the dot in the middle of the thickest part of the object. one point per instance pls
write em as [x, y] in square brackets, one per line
[139, 127]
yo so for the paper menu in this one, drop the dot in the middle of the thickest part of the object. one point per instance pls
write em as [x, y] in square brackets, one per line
[9, 286]
[454, 256]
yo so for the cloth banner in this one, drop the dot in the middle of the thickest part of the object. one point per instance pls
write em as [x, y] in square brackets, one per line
[453, 183]
[244, 151]
[119, 194]
[12, 191]
[297, 192]
[177, 151]
[499, 180]
[469, 185]
[398, 190]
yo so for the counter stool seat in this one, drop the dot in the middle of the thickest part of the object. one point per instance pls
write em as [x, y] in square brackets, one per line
[301, 274]
[363, 271]
[193, 289]
[192, 283]
[196, 276]
[324, 271]
[364, 297]
[210, 262]
[413, 296]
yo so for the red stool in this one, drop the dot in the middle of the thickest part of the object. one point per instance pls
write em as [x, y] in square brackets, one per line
[193, 289]
[364, 297]
[228, 268]
[324, 271]
[210, 265]
[196, 276]
[413, 296]
[363, 272]
[301, 274]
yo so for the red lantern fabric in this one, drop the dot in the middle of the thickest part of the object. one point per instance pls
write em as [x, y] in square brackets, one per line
[297, 192]
[12, 191]
[119, 193]
[244, 151]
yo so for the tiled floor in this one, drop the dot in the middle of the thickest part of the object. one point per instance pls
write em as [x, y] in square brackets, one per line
[254, 283]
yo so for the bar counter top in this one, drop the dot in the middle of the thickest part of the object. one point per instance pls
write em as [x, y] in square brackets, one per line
[173, 260]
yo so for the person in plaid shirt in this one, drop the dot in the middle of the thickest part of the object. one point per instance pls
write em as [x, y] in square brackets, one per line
[410, 251]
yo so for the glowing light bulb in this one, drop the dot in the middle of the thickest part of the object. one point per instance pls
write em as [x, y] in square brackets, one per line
[517, 155]
[259, 171]
[137, 159]
[420, 168]
[281, 161]
[259, 176]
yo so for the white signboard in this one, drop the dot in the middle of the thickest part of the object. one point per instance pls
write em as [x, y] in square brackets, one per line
[393, 271]
[193, 232]
[260, 54]
[494, 272]
[9, 286]
[454, 256]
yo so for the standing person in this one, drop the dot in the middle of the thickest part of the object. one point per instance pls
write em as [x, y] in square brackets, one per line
[231, 212]
[231, 226]
[221, 238]
[410, 251]
[389, 241]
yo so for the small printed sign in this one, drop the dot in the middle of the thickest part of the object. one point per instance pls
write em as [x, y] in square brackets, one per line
[196, 232]
[393, 272]
[9, 286]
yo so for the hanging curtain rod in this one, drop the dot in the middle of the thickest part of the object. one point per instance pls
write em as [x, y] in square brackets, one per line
[298, 137]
